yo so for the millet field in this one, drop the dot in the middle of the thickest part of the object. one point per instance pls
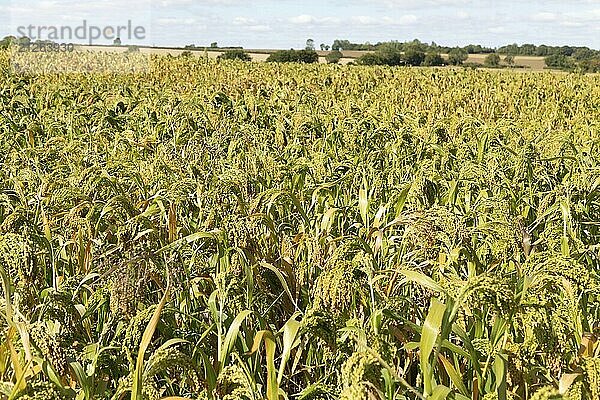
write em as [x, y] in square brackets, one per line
[229, 230]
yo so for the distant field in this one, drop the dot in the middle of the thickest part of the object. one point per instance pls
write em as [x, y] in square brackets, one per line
[534, 63]
[529, 63]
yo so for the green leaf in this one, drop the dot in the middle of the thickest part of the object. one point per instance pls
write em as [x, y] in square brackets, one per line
[209, 371]
[282, 280]
[232, 334]
[422, 280]
[440, 392]
[401, 200]
[136, 389]
[454, 375]
[454, 348]
[212, 306]
[363, 204]
[376, 318]
[187, 240]
[499, 369]
[429, 334]
[20, 381]
[82, 379]
[269, 339]
[290, 331]
[564, 246]
[458, 396]
[328, 219]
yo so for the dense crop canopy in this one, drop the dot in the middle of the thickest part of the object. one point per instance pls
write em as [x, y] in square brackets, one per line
[239, 230]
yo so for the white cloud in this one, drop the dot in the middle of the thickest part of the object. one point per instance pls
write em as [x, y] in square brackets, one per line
[569, 19]
[462, 15]
[244, 21]
[497, 29]
[420, 3]
[302, 19]
[545, 17]
[407, 19]
[572, 24]
[251, 24]
[260, 28]
[363, 20]
[174, 3]
[306, 19]
[172, 21]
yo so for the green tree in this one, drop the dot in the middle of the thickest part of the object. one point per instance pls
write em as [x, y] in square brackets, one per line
[307, 56]
[7, 42]
[347, 45]
[390, 56]
[340, 45]
[370, 59]
[492, 60]
[585, 54]
[413, 57]
[310, 44]
[235, 54]
[590, 66]
[386, 54]
[457, 56]
[334, 57]
[433, 59]
[299, 56]
[415, 45]
[559, 61]
[509, 60]
[528, 49]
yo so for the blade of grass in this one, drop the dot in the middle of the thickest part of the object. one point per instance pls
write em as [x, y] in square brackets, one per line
[136, 389]
[269, 339]
[429, 335]
[290, 331]
[232, 334]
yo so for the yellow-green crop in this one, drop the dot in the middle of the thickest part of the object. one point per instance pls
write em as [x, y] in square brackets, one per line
[227, 230]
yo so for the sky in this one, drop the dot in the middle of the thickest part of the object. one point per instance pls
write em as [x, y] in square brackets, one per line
[287, 23]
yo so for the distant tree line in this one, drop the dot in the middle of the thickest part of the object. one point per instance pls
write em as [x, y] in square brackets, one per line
[213, 45]
[8, 41]
[415, 44]
[235, 54]
[572, 63]
[567, 58]
[413, 53]
[394, 54]
[298, 56]
[580, 53]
